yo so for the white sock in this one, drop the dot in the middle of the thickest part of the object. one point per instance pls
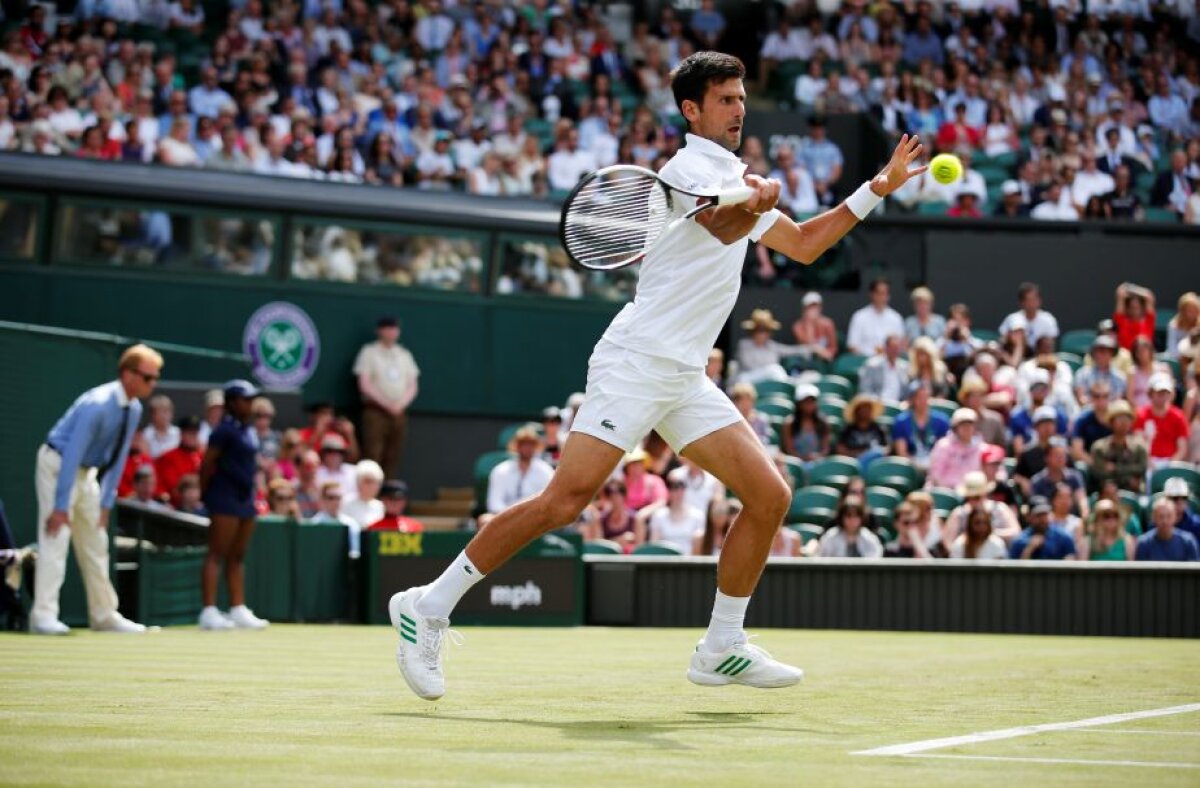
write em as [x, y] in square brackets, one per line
[725, 628]
[443, 594]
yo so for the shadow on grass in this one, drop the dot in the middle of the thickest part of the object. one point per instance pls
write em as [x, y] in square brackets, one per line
[654, 732]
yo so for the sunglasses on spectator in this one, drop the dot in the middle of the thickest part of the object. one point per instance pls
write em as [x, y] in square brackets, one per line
[676, 486]
[285, 497]
[333, 497]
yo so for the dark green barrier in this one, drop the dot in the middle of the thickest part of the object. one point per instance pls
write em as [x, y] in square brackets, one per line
[541, 586]
[169, 585]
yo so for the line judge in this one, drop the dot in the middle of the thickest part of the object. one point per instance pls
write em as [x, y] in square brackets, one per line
[77, 473]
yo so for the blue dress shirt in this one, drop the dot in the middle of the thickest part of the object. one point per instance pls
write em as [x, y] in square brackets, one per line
[86, 436]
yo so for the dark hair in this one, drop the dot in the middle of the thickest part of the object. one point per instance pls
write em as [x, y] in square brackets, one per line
[693, 75]
[1026, 288]
[851, 503]
[972, 545]
[877, 281]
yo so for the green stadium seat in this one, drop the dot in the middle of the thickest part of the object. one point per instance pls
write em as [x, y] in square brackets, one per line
[946, 407]
[1175, 470]
[1073, 360]
[775, 406]
[657, 548]
[602, 547]
[847, 365]
[892, 409]
[831, 406]
[784, 388]
[483, 466]
[796, 472]
[835, 471]
[883, 498]
[813, 505]
[807, 532]
[1173, 363]
[1162, 216]
[932, 208]
[836, 385]
[897, 473]
[945, 500]
[1078, 341]
[985, 334]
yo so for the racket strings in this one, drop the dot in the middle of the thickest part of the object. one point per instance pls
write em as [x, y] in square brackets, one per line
[611, 222]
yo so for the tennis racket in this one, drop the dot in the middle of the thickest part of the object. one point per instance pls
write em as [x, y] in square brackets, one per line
[615, 215]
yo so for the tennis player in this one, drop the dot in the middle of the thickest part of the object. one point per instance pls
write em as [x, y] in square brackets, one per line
[647, 372]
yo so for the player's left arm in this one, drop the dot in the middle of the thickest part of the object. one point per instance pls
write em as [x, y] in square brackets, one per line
[805, 241]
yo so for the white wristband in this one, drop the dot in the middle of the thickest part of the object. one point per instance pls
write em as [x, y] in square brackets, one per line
[863, 201]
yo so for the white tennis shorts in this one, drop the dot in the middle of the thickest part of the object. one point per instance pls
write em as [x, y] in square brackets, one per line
[629, 394]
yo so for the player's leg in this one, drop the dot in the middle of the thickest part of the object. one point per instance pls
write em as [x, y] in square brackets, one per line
[714, 436]
[421, 615]
[222, 530]
[235, 576]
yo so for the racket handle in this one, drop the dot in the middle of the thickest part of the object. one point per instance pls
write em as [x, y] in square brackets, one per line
[735, 195]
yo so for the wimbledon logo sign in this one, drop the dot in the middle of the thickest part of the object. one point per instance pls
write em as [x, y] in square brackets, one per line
[282, 343]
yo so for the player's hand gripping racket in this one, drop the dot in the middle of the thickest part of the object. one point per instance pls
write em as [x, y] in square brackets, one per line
[615, 215]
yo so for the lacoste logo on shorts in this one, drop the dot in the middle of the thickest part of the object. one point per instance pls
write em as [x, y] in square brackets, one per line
[608, 425]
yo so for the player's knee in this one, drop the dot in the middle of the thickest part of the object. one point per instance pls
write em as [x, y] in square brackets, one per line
[562, 506]
[772, 501]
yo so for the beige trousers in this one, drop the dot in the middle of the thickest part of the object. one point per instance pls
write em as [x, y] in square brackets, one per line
[90, 540]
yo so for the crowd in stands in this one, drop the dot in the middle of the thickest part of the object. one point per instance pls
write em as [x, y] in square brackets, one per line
[1057, 112]
[925, 437]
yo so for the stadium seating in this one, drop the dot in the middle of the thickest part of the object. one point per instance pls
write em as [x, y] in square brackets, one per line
[808, 533]
[768, 388]
[837, 386]
[657, 548]
[602, 547]
[833, 471]
[1182, 470]
[796, 472]
[898, 473]
[813, 505]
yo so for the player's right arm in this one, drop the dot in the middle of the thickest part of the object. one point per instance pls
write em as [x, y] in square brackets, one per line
[730, 223]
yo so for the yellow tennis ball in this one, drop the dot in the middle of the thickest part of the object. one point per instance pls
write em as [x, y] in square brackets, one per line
[946, 168]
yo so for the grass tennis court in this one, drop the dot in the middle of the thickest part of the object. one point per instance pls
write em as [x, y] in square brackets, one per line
[325, 705]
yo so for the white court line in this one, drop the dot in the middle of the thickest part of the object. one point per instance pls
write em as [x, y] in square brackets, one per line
[1072, 761]
[1025, 730]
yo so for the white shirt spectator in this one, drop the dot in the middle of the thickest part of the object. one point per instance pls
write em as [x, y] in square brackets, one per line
[346, 477]
[433, 32]
[322, 36]
[160, 444]
[803, 199]
[179, 154]
[468, 153]
[882, 379]
[664, 527]
[480, 182]
[810, 88]
[69, 121]
[565, 168]
[1090, 184]
[184, 18]
[870, 328]
[991, 550]
[1168, 112]
[605, 148]
[208, 103]
[1043, 324]
[507, 484]
[1054, 211]
[834, 544]
[432, 163]
[701, 488]
[362, 512]
[794, 46]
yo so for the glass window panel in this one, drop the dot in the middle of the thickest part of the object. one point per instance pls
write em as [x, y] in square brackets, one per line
[435, 259]
[18, 228]
[540, 266]
[173, 239]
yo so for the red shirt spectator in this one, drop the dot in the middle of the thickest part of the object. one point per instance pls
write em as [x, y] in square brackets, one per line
[138, 456]
[184, 459]
[394, 495]
[1134, 315]
[957, 133]
[400, 522]
[966, 205]
[1162, 423]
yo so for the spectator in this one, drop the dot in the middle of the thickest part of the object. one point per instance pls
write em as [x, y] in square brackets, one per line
[387, 380]
[759, 357]
[707, 24]
[721, 514]
[990, 424]
[183, 460]
[1122, 362]
[569, 162]
[918, 530]
[615, 520]
[814, 330]
[552, 434]
[924, 322]
[1122, 202]
[334, 467]
[862, 437]
[281, 500]
[144, 488]
[925, 364]
[214, 411]
[160, 434]
[394, 495]
[1145, 366]
[227, 476]
[1039, 322]
[1089, 181]
[871, 325]
[956, 133]
[782, 44]
[1011, 206]
[976, 491]
[957, 453]
[175, 149]
[1093, 423]
[806, 434]
[1042, 541]
[1172, 188]
[206, 99]
[187, 496]
[1045, 483]
[744, 396]
[1163, 424]
[700, 486]
[714, 369]
[675, 522]
[322, 423]
[1053, 206]
[977, 540]
[520, 476]
[1186, 320]
[1061, 513]
[1106, 539]
[1178, 491]
[1165, 542]
[329, 511]
[1104, 349]
[798, 193]
[436, 168]
[958, 345]
[1004, 490]
[824, 161]
[923, 44]
[363, 507]
[269, 440]
[1134, 314]
[846, 536]
[886, 374]
[308, 489]
[1021, 423]
[918, 427]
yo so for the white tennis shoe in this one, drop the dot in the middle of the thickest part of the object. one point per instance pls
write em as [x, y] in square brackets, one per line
[419, 652]
[213, 620]
[243, 617]
[741, 663]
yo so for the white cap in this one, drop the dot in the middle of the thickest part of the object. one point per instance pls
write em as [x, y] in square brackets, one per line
[1039, 377]
[961, 415]
[1010, 187]
[1045, 413]
[1161, 382]
[806, 391]
[368, 469]
[812, 297]
[1177, 487]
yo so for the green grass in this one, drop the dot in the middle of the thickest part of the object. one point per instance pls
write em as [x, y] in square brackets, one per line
[325, 706]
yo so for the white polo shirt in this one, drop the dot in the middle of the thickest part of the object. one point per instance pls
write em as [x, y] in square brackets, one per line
[689, 282]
